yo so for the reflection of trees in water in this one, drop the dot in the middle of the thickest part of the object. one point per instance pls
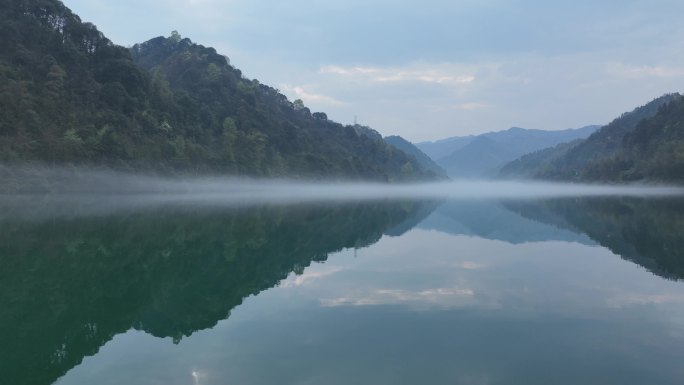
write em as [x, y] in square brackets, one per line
[645, 231]
[68, 286]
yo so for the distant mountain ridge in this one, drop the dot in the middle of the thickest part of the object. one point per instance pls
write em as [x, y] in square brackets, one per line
[484, 155]
[645, 143]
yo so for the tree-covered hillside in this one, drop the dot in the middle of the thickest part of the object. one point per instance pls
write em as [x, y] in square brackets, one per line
[66, 92]
[411, 149]
[68, 95]
[644, 144]
[654, 150]
[538, 162]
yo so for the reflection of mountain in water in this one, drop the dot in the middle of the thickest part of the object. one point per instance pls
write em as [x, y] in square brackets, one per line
[68, 286]
[645, 231]
[490, 219]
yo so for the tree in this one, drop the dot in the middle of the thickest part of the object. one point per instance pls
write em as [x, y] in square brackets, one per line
[298, 105]
[320, 116]
[175, 37]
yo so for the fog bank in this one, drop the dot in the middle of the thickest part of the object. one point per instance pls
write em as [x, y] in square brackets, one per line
[246, 190]
[39, 193]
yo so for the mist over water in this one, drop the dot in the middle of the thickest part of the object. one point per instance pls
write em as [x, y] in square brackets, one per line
[72, 192]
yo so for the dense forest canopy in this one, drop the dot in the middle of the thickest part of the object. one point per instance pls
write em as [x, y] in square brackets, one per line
[68, 95]
[654, 150]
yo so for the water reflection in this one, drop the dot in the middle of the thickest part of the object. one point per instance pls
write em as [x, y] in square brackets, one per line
[68, 285]
[492, 219]
[647, 232]
[463, 292]
[431, 308]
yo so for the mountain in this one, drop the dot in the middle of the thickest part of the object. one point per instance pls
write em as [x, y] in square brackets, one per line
[538, 162]
[483, 155]
[654, 150]
[442, 148]
[409, 148]
[645, 143]
[479, 158]
[68, 95]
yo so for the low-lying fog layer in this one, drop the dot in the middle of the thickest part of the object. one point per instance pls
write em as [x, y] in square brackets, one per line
[101, 192]
[245, 190]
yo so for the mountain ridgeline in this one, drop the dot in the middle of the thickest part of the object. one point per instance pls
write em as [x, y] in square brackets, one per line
[68, 95]
[646, 144]
[484, 155]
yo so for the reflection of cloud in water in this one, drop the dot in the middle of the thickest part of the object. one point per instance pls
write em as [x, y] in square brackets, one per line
[442, 296]
[198, 377]
[626, 299]
[414, 272]
[309, 276]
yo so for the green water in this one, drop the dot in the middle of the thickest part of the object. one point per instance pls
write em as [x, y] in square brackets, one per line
[559, 291]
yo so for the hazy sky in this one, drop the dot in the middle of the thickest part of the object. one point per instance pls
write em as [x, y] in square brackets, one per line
[432, 69]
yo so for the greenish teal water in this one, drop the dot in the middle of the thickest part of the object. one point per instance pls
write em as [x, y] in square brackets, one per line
[556, 291]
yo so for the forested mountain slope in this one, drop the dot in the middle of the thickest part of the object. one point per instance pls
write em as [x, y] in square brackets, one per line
[642, 144]
[411, 149]
[68, 95]
[654, 150]
[538, 162]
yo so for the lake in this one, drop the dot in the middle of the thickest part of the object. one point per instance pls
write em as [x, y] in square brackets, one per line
[545, 290]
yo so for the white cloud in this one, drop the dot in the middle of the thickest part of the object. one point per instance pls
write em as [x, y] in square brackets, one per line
[442, 74]
[348, 71]
[299, 92]
[435, 296]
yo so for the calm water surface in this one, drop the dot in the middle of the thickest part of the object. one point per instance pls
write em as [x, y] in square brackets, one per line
[555, 291]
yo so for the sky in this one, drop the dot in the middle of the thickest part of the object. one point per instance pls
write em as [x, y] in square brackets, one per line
[432, 69]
